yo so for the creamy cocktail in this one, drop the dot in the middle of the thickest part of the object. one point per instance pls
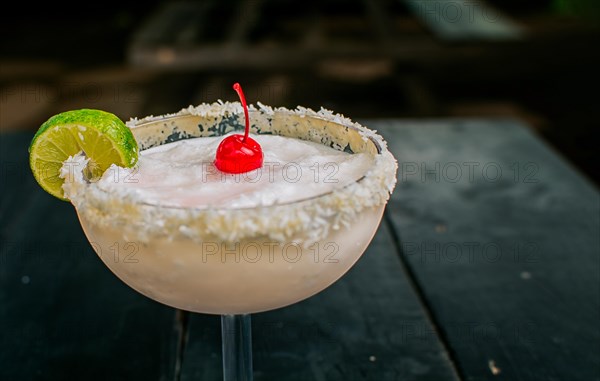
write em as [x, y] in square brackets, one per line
[197, 239]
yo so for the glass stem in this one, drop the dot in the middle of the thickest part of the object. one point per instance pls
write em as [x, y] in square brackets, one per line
[236, 338]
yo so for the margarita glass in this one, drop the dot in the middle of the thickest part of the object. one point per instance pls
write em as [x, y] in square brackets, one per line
[237, 261]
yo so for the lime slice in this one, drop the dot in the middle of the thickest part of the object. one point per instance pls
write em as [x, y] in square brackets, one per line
[102, 136]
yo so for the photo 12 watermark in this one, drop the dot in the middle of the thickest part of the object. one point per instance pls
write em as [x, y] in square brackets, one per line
[269, 251]
[128, 252]
[468, 172]
[206, 172]
[471, 252]
[455, 11]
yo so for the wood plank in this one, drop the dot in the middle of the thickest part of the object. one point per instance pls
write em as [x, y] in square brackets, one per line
[369, 325]
[64, 315]
[508, 264]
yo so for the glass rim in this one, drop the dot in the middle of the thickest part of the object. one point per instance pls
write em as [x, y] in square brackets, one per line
[164, 206]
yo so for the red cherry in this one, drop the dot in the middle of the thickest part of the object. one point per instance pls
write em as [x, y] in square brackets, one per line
[239, 153]
[235, 155]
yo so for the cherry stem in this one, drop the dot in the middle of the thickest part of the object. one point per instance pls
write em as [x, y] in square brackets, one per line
[238, 88]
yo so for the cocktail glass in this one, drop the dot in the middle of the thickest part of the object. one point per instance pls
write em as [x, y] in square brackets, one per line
[238, 261]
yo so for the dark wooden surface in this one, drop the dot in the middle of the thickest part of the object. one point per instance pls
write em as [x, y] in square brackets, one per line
[506, 256]
[471, 276]
[63, 314]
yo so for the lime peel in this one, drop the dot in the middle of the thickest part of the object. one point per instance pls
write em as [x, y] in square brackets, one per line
[102, 137]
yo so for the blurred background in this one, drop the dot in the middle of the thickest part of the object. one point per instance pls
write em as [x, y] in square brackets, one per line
[533, 60]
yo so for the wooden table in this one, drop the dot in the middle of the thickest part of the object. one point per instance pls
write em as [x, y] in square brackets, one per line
[485, 267]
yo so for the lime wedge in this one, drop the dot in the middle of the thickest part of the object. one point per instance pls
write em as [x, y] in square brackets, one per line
[102, 136]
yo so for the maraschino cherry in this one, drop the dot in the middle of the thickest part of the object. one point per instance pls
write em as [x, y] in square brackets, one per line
[239, 153]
